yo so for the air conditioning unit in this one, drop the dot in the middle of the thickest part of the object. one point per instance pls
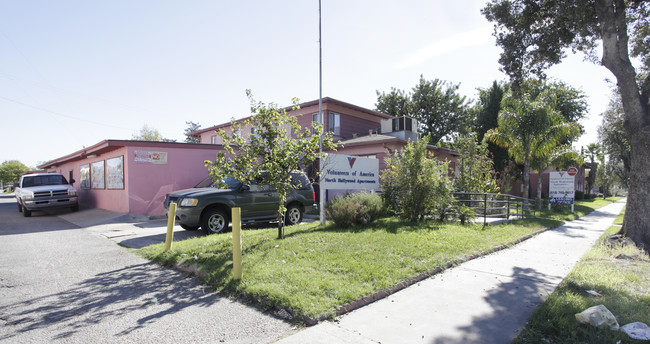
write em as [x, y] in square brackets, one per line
[402, 127]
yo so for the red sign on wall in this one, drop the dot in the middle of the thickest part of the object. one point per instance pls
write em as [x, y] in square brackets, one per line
[572, 171]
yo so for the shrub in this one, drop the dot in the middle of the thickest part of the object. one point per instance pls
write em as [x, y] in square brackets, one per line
[353, 209]
[415, 184]
[465, 214]
[580, 195]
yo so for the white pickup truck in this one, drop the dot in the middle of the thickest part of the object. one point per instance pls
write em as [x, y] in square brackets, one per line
[44, 191]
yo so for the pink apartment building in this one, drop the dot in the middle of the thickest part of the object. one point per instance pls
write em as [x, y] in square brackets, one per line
[134, 176]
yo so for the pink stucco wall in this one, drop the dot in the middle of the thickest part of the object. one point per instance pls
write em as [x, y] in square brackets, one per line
[146, 182]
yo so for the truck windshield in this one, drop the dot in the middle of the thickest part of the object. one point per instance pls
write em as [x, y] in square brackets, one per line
[55, 179]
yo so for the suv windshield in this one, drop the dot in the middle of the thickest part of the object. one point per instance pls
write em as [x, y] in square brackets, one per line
[231, 183]
[55, 179]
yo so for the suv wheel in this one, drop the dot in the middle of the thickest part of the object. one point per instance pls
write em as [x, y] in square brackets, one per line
[189, 228]
[293, 215]
[214, 221]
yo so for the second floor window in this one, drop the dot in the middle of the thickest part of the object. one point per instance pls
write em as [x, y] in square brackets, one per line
[254, 132]
[213, 139]
[335, 123]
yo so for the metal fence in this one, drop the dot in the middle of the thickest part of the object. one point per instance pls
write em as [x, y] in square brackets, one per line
[490, 205]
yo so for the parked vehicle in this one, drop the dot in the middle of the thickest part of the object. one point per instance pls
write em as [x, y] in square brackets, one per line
[209, 207]
[44, 191]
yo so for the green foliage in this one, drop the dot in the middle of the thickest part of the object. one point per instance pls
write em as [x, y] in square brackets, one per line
[270, 141]
[605, 177]
[436, 105]
[11, 170]
[415, 184]
[486, 112]
[475, 168]
[148, 133]
[465, 214]
[615, 142]
[533, 131]
[192, 127]
[359, 208]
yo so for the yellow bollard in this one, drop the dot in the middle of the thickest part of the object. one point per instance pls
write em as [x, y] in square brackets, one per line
[171, 219]
[236, 244]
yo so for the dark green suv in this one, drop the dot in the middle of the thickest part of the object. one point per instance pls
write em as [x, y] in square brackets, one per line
[210, 208]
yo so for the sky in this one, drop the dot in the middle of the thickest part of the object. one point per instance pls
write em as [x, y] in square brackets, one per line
[74, 73]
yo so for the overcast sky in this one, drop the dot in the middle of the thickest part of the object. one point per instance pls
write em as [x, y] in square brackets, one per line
[73, 73]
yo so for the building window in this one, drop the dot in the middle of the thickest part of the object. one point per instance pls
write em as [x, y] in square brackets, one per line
[213, 139]
[254, 133]
[335, 124]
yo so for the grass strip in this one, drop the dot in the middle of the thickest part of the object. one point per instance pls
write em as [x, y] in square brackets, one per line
[580, 209]
[316, 270]
[621, 274]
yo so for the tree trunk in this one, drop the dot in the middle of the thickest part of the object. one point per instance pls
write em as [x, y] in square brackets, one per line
[636, 224]
[539, 190]
[526, 181]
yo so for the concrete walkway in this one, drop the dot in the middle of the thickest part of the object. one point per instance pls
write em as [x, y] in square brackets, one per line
[486, 300]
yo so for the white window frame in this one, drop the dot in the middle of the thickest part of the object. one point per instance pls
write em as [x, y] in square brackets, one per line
[334, 124]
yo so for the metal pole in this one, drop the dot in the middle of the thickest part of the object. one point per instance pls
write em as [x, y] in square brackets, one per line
[321, 118]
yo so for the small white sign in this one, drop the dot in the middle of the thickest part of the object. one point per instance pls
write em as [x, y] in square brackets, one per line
[561, 188]
[150, 157]
[344, 172]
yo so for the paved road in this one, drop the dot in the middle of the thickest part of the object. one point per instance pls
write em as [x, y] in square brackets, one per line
[60, 282]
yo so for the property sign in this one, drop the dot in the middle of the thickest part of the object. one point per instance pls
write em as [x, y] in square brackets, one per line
[150, 157]
[561, 188]
[344, 172]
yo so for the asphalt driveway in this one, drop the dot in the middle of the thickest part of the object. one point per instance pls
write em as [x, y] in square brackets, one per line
[65, 282]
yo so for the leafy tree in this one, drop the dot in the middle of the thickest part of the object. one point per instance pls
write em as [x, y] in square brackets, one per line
[278, 147]
[192, 127]
[148, 133]
[592, 154]
[415, 184]
[11, 170]
[487, 113]
[605, 177]
[529, 128]
[436, 105]
[535, 35]
[613, 138]
[475, 168]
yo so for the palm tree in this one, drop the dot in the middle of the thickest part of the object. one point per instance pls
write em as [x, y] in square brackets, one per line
[530, 128]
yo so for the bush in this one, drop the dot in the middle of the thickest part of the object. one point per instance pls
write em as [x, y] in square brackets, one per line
[580, 195]
[354, 209]
[415, 184]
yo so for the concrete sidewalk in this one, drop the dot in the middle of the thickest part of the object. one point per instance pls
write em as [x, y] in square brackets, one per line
[486, 300]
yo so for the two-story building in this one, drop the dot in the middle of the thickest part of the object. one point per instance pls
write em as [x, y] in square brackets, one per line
[134, 176]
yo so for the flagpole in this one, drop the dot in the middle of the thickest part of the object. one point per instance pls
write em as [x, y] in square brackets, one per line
[321, 118]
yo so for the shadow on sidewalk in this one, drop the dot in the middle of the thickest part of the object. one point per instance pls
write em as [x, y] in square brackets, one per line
[510, 303]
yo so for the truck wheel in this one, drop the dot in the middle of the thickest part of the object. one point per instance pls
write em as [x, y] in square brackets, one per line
[293, 215]
[27, 213]
[214, 221]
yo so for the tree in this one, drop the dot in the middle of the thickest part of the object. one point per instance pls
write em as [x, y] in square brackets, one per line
[436, 105]
[415, 184]
[11, 170]
[593, 152]
[487, 113]
[535, 35]
[148, 133]
[276, 146]
[192, 127]
[475, 168]
[613, 138]
[530, 128]
[605, 177]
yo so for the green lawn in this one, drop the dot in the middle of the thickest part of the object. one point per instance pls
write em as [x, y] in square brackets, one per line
[624, 284]
[316, 270]
[581, 208]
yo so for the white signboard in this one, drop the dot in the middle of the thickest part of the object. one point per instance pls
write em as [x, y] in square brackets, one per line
[561, 188]
[344, 172]
[150, 157]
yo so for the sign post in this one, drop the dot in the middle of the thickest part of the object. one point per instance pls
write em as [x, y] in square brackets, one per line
[561, 187]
